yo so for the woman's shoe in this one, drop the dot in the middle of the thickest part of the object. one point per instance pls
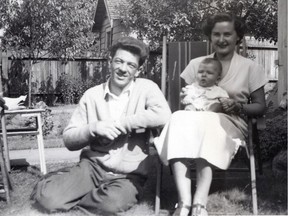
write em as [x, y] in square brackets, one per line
[182, 209]
[199, 210]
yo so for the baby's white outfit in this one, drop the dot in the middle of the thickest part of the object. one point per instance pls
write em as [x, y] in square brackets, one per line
[203, 97]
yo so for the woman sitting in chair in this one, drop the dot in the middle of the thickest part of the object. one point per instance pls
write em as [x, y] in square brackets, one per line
[212, 139]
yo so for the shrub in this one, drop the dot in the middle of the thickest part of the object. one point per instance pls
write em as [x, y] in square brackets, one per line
[47, 121]
[64, 119]
[47, 90]
[71, 89]
[18, 79]
[274, 138]
[64, 87]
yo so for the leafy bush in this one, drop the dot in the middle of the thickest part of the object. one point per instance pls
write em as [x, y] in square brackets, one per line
[47, 121]
[71, 89]
[63, 120]
[274, 138]
[64, 87]
[47, 86]
[18, 79]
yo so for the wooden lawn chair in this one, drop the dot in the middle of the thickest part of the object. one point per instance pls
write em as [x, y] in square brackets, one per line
[4, 172]
[253, 126]
[37, 130]
[180, 53]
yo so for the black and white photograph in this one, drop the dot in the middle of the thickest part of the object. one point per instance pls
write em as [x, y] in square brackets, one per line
[143, 107]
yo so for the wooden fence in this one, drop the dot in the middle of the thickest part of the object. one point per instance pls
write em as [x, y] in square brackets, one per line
[12, 70]
[265, 54]
[14, 73]
[51, 69]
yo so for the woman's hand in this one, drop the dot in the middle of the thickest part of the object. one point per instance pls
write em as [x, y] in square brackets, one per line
[229, 105]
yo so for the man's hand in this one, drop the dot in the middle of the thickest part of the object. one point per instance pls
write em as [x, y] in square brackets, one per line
[109, 129]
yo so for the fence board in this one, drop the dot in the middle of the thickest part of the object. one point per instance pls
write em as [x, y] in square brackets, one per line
[266, 58]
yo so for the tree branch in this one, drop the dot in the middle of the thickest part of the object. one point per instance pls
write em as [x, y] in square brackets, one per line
[249, 10]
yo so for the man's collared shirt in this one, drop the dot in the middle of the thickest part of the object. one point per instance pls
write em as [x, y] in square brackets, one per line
[118, 104]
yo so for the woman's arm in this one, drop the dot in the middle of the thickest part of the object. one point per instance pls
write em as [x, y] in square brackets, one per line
[257, 106]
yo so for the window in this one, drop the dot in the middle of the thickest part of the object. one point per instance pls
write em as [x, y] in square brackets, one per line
[108, 38]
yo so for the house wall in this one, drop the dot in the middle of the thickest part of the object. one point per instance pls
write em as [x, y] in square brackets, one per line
[118, 30]
[105, 27]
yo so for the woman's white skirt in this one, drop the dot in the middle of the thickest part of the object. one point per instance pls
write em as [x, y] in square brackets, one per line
[215, 137]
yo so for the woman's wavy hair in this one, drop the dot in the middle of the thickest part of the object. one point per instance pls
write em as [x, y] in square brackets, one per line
[239, 25]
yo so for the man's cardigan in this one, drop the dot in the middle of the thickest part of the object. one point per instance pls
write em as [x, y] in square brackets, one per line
[147, 108]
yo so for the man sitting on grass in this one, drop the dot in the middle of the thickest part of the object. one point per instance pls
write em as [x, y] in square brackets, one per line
[110, 123]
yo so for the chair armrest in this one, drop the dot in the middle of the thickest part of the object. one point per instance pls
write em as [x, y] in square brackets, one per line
[2, 104]
[259, 122]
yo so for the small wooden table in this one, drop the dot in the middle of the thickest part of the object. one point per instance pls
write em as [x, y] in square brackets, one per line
[24, 131]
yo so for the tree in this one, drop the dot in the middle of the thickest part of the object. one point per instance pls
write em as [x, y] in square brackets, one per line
[182, 19]
[260, 16]
[35, 29]
[151, 19]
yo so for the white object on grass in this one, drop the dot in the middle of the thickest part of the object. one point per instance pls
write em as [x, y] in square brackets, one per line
[15, 103]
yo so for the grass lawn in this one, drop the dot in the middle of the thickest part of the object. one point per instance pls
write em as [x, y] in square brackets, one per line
[230, 194]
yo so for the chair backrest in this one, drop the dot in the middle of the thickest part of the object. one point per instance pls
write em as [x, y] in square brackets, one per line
[179, 55]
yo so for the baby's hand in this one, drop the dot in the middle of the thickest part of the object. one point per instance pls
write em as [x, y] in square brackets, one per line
[186, 100]
[190, 107]
[228, 105]
[183, 96]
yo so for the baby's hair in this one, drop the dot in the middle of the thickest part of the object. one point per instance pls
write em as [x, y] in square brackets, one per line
[215, 62]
